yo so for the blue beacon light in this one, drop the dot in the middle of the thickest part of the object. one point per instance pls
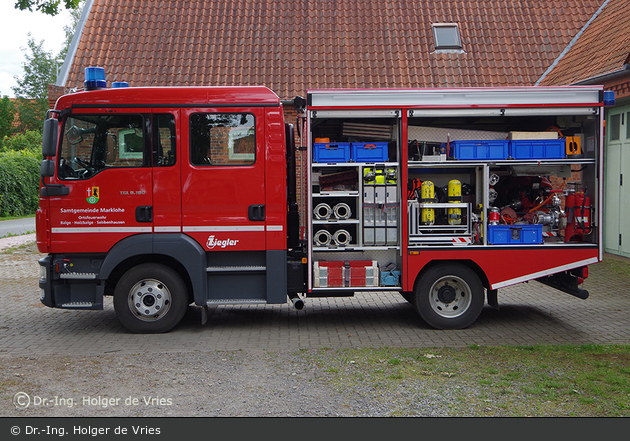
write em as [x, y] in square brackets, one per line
[94, 78]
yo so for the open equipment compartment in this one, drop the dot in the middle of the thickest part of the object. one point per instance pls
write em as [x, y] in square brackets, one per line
[533, 171]
[473, 178]
[366, 184]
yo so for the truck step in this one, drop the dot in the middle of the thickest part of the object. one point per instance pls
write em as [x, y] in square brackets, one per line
[211, 302]
[78, 276]
[230, 269]
[77, 305]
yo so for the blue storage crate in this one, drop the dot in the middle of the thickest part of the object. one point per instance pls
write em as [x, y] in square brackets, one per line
[370, 151]
[331, 152]
[474, 150]
[538, 148]
[514, 234]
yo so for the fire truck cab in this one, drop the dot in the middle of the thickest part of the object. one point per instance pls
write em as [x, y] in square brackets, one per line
[166, 197]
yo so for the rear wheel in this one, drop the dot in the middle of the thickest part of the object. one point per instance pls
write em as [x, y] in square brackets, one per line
[150, 298]
[449, 296]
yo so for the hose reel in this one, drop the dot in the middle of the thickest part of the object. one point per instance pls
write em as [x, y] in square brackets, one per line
[342, 238]
[323, 238]
[341, 211]
[322, 211]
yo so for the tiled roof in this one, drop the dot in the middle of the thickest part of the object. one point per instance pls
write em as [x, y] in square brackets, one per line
[603, 47]
[294, 45]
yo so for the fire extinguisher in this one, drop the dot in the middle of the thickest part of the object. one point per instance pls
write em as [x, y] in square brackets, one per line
[578, 209]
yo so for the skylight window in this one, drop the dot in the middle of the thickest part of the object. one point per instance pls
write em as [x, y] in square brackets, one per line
[446, 37]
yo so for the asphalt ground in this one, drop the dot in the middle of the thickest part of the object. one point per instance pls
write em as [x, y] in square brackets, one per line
[528, 314]
[17, 226]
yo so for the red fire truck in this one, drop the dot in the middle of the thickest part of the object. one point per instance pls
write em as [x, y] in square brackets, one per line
[173, 196]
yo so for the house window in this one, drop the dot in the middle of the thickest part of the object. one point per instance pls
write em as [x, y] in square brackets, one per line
[130, 143]
[446, 36]
[615, 127]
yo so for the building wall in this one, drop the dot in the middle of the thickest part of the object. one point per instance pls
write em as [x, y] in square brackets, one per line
[616, 166]
[617, 181]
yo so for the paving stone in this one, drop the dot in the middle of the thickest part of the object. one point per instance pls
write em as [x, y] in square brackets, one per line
[528, 314]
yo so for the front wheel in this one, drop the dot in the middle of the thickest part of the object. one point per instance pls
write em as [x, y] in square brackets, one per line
[449, 296]
[150, 298]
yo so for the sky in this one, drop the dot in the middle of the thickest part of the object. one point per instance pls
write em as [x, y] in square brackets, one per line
[14, 31]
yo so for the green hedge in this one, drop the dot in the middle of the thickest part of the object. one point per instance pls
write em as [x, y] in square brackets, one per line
[31, 140]
[19, 182]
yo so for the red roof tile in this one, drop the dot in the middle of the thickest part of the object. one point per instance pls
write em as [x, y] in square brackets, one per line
[294, 45]
[603, 47]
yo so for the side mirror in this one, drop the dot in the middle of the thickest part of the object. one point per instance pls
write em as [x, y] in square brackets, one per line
[49, 138]
[47, 168]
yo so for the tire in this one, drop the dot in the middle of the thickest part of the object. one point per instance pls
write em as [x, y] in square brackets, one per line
[150, 298]
[449, 296]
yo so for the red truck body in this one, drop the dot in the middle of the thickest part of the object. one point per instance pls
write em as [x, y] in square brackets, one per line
[165, 197]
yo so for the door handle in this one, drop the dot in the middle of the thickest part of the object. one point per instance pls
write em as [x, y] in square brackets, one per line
[144, 213]
[256, 212]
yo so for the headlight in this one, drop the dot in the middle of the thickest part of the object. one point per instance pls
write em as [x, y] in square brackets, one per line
[43, 273]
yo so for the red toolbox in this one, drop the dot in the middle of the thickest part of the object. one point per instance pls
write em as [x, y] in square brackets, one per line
[363, 273]
[328, 274]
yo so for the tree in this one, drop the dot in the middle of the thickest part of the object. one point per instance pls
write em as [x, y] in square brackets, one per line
[75, 16]
[7, 116]
[31, 92]
[50, 7]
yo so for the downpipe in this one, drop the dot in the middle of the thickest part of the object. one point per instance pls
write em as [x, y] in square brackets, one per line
[567, 282]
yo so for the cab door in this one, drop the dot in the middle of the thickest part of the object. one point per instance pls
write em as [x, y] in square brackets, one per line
[166, 210]
[104, 163]
[223, 176]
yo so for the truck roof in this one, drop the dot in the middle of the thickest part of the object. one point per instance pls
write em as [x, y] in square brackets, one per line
[210, 96]
[558, 96]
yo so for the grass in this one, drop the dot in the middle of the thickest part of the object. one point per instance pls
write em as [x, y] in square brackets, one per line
[617, 266]
[16, 217]
[27, 248]
[16, 235]
[506, 381]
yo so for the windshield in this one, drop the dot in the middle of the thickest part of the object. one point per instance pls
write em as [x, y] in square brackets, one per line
[92, 143]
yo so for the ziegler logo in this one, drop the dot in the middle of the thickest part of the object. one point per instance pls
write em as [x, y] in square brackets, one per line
[214, 243]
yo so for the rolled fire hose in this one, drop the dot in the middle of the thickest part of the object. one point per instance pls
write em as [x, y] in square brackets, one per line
[494, 179]
[342, 238]
[342, 211]
[322, 211]
[323, 238]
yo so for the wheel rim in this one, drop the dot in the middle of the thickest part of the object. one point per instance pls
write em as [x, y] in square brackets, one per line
[149, 300]
[450, 296]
